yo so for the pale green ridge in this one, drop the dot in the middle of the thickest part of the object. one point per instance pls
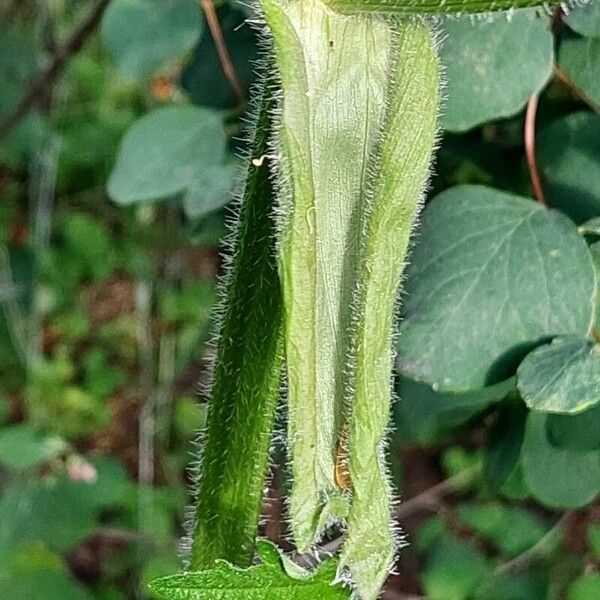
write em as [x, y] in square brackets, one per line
[397, 183]
[422, 7]
[334, 75]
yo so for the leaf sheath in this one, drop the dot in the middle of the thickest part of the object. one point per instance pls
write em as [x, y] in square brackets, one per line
[246, 384]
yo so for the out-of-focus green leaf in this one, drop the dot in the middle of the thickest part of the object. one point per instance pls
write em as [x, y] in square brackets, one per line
[591, 227]
[20, 58]
[203, 78]
[211, 190]
[512, 529]
[493, 66]
[266, 581]
[585, 587]
[569, 157]
[561, 377]
[585, 19]
[173, 150]
[90, 245]
[42, 583]
[593, 537]
[143, 35]
[558, 477]
[511, 586]
[505, 441]
[22, 448]
[454, 569]
[579, 58]
[59, 512]
[425, 416]
[578, 432]
[465, 326]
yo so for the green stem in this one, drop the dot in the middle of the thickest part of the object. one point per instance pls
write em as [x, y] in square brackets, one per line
[425, 7]
[246, 384]
[334, 78]
[399, 173]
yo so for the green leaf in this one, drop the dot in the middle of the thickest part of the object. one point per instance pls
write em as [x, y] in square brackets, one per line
[591, 227]
[173, 150]
[418, 7]
[511, 586]
[505, 442]
[265, 581]
[493, 66]
[143, 35]
[203, 78]
[579, 58]
[22, 448]
[42, 583]
[213, 189]
[578, 432]
[569, 158]
[558, 477]
[585, 587]
[561, 377]
[585, 19]
[59, 512]
[512, 529]
[465, 326]
[425, 416]
[20, 57]
[593, 538]
[454, 569]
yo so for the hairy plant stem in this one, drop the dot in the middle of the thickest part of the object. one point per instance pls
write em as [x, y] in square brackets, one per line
[424, 7]
[246, 385]
[355, 134]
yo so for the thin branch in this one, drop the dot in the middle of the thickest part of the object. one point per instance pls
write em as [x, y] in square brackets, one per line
[566, 81]
[522, 561]
[224, 57]
[534, 173]
[54, 69]
[431, 497]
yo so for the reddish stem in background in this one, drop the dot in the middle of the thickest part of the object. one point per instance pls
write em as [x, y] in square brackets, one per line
[534, 174]
[224, 57]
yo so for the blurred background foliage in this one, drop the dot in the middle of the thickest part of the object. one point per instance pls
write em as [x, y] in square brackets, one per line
[120, 127]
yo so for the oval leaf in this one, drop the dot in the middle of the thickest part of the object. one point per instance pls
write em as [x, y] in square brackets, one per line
[170, 151]
[577, 432]
[579, 58]
[561, 377]
[493, 66]
[572, 170]
[585, 19]
[492, 276]
[558, 477]
[142, 35]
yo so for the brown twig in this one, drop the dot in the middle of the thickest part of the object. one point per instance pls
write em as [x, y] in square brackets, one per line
[224, 57]
[566, 81]
[534, 173]
[54, 69]
[431, 497]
